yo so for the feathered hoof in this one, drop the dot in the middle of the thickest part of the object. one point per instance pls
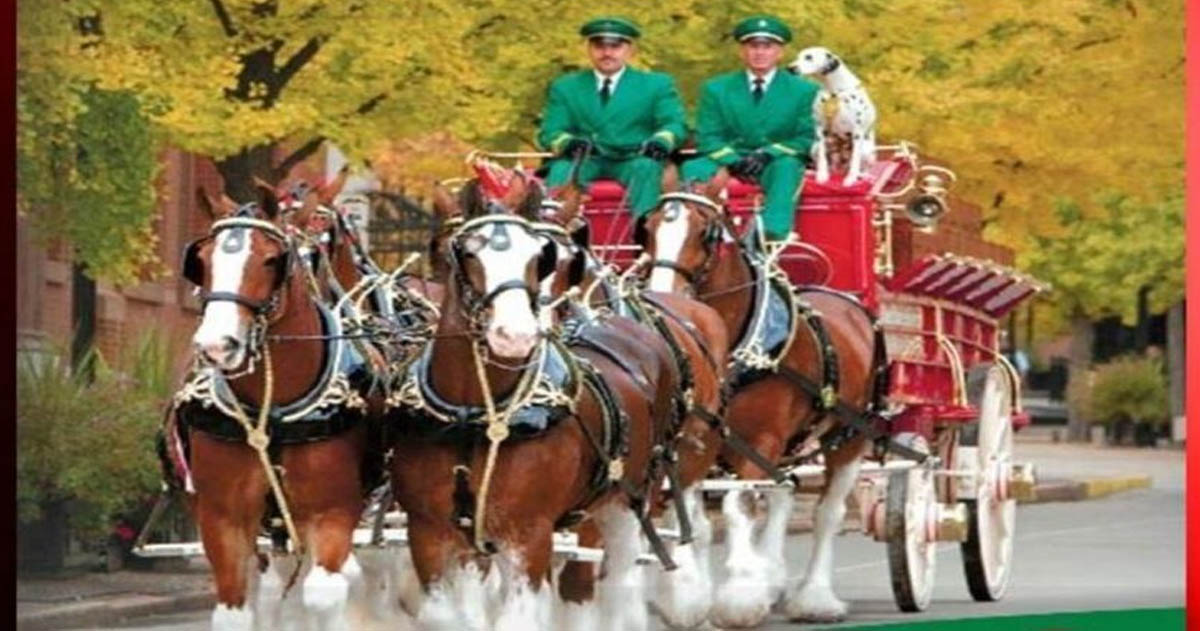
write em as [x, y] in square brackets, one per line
[815, 604]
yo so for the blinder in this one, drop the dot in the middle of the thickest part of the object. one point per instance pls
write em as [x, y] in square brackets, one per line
[577, 267]
[548, 260]
[640, 235]
[193, 267]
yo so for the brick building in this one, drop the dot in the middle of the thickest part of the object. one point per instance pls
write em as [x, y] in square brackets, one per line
[44, 275]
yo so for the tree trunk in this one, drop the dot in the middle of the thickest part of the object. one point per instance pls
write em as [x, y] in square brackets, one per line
[1082, 334]
[1176, 358]
[1141, 334]
[83, 319]
[240, 169]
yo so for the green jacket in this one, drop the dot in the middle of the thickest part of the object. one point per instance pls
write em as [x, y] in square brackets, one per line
[730, 124]
[644, 105]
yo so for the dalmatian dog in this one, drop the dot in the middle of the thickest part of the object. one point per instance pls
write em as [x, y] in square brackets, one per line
[842, 111]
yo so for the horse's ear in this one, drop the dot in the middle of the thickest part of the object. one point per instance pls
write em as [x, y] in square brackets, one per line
[206, 203]
[517, 191]
[331, 190]
[571, 198]
[716, 185]
[267, 199]
[670, 178]
[444, 204]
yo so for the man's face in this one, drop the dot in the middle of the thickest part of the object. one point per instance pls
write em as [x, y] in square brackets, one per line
[609, 54]
[761, 54]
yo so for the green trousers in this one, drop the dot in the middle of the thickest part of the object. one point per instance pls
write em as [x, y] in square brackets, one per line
[779, 180]
[641, 177]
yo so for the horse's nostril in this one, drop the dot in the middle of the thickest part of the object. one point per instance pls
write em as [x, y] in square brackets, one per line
[231, 343]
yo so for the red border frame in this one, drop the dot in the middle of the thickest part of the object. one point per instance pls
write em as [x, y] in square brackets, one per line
[1193, 323]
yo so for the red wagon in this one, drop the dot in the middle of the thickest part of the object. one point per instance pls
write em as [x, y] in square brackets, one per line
[953, 393]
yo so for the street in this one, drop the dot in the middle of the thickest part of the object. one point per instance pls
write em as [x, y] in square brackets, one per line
[1121, 552]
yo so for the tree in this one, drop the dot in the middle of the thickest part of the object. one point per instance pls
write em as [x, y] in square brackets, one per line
[86, 157]
[1099, 265]
[1021, 98]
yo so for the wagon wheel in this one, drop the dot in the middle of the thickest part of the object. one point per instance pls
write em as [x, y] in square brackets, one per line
[912, 550]
[987, 552]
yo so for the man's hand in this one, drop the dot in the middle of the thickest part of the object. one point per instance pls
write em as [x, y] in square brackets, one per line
[654, 150]
[576, 147]
[750, 166]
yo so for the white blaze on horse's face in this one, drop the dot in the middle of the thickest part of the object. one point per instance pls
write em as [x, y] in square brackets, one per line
[512, 330]
[222, 336]
[669, 239]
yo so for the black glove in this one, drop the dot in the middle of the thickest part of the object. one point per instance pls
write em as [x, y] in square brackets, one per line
[654, 150]
[577, 147]
[750, 166]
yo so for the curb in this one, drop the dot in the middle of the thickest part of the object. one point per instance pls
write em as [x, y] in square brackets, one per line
[108, 611]
[1086, 489]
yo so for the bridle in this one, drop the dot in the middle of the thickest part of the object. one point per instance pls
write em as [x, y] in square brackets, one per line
[474, 304]
[717, 226]
[193, 267]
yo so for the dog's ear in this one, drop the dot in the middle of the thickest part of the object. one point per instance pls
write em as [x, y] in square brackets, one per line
[831, 62]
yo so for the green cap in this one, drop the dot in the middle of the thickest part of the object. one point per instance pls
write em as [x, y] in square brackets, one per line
[767, 26]
[611, 27]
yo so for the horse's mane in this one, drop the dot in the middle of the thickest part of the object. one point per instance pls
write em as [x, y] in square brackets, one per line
[474, 204]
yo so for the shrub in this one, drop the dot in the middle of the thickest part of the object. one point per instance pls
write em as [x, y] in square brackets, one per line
[89, 444]
[1129, 389]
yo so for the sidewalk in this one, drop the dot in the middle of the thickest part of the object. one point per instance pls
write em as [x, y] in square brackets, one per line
[1066, 472]
[80, 598]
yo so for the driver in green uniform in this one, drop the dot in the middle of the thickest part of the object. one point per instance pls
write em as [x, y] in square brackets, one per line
[613, 120]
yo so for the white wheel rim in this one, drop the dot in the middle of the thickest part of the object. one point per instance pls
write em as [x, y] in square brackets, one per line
[996, 517]
[921, 548]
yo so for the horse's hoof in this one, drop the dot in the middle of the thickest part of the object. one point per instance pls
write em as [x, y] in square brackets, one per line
[741, 604]
[815, 604]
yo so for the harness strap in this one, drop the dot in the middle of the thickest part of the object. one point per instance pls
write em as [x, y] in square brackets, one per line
[671, 465]
[258, 307]
[829, 358]
[637, 502]
[739, 444]
[863, 422]
[687, 326]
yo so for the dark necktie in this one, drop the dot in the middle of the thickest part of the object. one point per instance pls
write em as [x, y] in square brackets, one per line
[758, 89]
[606, 90]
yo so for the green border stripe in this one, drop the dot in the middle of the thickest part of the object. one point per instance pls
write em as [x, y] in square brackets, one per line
[1120, 620]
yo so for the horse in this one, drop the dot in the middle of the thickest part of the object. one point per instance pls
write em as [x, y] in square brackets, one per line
[698, 338]
[483, 507]
[243, 414]
[778, 403]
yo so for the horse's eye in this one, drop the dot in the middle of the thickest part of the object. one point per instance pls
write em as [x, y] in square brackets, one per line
[808, 57]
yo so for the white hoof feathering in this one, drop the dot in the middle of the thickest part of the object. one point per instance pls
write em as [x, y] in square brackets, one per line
[815, 603]
[577, 617]
[226, 618]
[744, 599]
[456, 603]
[684, 597]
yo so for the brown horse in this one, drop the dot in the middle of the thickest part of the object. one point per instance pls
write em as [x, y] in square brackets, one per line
[583, 446]
[693, 247]
[262, 341]
[700, 339]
